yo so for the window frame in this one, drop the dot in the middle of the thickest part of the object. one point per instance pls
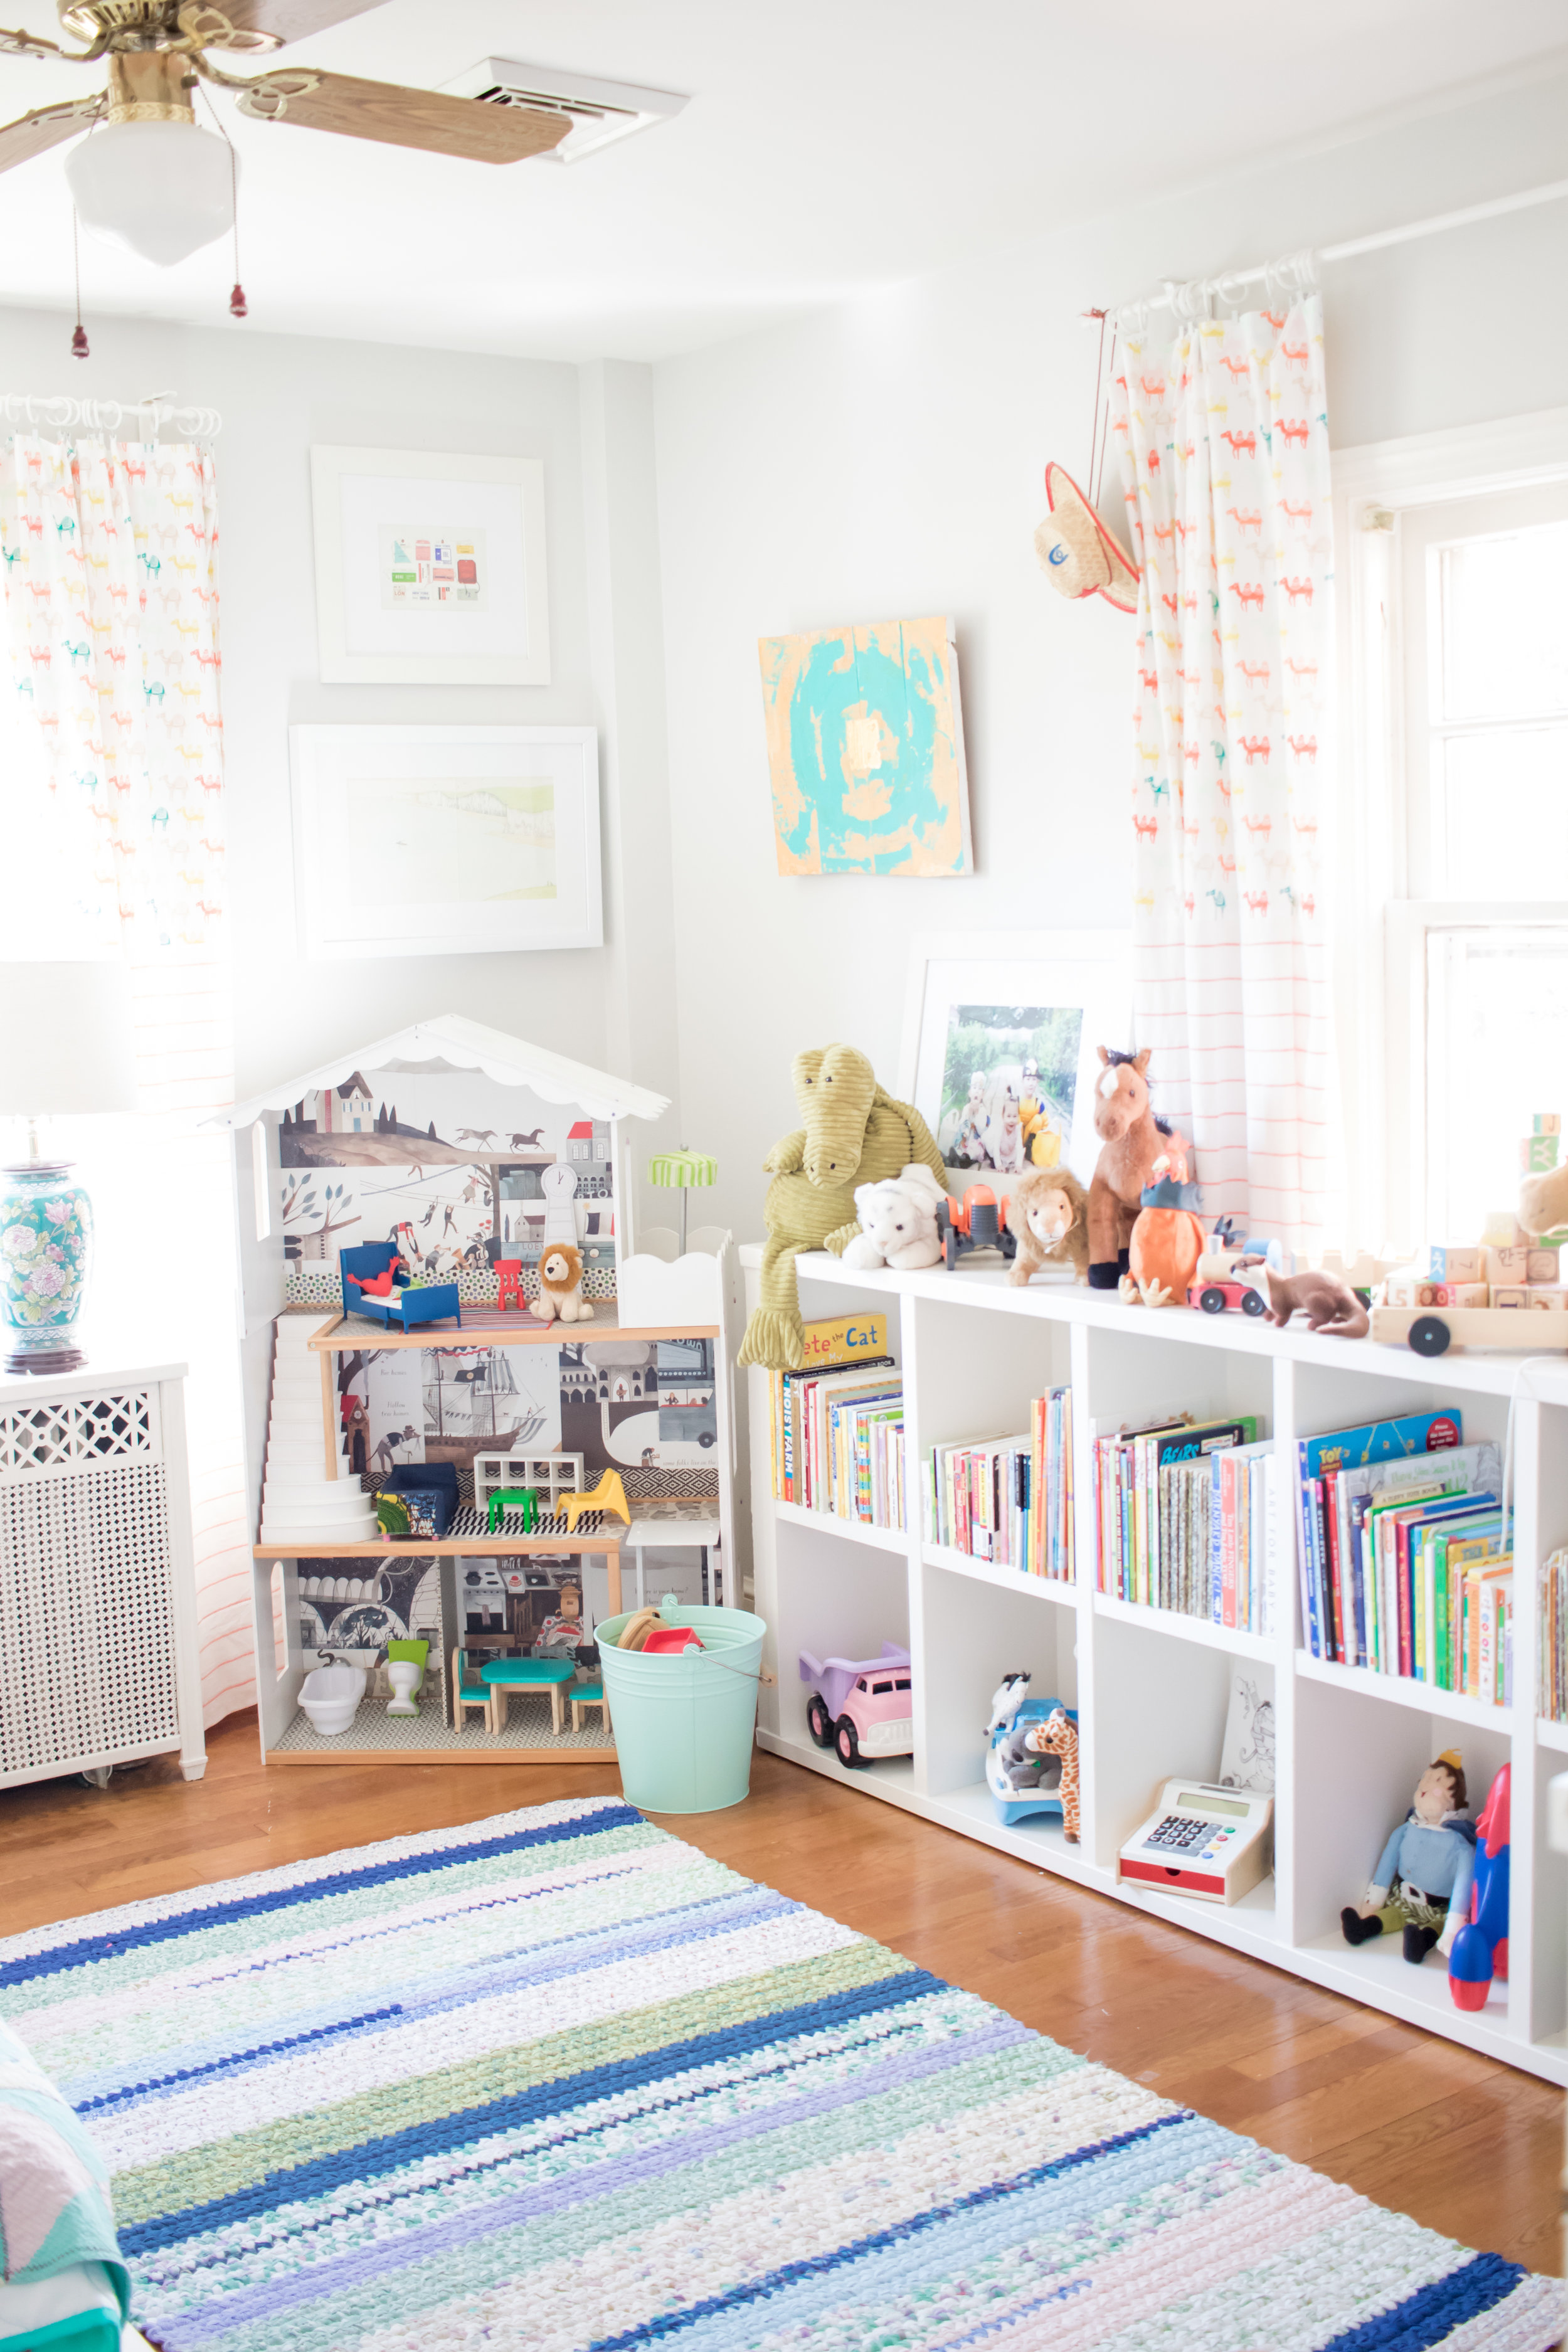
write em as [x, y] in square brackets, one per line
[1380, 933]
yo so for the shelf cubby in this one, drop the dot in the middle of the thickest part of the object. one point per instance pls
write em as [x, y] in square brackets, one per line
[1152, 1687]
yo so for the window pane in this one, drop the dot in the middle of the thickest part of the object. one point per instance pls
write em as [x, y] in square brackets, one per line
[1505, 624]
[1505, 806]
[1497, 1009]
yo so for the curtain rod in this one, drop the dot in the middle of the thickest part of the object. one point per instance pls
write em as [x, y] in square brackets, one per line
[1297, 272]
[58, 412]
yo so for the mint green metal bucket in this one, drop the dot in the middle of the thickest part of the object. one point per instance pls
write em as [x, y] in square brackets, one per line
[683, 1725]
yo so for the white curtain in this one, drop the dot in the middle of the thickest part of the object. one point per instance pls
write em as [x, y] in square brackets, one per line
[1224, 455]
[111, 759]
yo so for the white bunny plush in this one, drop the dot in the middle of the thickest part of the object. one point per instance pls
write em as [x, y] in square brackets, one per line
[898, 1221]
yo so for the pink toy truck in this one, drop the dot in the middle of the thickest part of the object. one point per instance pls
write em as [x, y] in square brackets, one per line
[862, 1708]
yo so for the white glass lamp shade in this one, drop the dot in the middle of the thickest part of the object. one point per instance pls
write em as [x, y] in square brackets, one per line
[161, 190]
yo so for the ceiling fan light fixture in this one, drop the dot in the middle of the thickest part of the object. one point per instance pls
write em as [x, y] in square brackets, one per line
[161, 190]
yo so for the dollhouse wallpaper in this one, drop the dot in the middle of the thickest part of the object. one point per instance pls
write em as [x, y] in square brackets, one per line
[646, 1408]
[455, 1168]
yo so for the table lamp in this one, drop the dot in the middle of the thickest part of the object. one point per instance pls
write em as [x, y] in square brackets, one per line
[683, 1170]
[65, 1049]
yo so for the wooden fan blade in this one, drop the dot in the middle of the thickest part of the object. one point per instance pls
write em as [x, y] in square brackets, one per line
[427, 118]
[286, 20]
[32, 135]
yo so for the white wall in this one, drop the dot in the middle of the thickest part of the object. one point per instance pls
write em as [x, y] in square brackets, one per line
[277, 394]
[886, 460]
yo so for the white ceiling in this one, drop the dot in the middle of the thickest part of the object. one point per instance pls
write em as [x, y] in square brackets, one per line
[830, 145]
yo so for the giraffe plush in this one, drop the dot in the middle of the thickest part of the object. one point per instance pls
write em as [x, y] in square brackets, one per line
[1058, 1737]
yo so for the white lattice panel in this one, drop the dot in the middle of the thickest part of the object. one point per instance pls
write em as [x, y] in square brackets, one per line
[87, 1622]
[64, 1432]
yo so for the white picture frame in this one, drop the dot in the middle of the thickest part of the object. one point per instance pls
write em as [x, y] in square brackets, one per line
[1089, 972]
[480, 617]
[389, 823]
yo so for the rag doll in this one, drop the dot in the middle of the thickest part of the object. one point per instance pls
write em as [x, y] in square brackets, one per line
[1423, 1877]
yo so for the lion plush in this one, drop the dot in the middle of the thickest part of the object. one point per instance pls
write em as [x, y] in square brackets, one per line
[561, 1286]
[1048, 1211]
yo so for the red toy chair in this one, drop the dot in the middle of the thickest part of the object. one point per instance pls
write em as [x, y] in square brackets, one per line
[509, 1282]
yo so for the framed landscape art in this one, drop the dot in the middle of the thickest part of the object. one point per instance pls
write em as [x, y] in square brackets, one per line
[446, 840]
[430, 570]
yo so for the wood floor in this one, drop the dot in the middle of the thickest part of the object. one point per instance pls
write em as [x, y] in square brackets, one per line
[1469, 2146]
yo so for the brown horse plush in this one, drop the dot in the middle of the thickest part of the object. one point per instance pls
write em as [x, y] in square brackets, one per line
[1131, 1143]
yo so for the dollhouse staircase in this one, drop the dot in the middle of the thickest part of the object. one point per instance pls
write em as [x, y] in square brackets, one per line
[301, 1506]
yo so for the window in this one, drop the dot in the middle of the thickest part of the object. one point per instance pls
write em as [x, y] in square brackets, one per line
[1453, 934]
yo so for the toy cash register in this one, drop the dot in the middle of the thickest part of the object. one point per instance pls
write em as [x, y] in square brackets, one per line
[1216, 1842]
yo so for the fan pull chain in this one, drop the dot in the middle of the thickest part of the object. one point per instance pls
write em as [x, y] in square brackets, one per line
[80, 348]
[238, 308]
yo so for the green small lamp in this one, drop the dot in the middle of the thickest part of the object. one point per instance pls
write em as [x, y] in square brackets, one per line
[682, 1171]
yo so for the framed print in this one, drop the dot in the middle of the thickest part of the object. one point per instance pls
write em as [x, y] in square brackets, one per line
[999, 1048]
[865, 750]
[446, 840]
[429, 570]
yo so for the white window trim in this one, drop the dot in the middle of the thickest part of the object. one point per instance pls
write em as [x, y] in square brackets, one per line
[1379, 933]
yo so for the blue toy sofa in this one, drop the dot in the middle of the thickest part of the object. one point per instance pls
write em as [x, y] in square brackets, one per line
[429, 1492]
[405, 1308]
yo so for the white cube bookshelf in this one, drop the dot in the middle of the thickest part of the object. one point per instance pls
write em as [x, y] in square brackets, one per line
[1151, 1687]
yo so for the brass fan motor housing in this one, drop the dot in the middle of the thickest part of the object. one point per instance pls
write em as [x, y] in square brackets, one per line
[127, 26]
[149, 86]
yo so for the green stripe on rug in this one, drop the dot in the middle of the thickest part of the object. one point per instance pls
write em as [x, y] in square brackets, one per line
[195, 2175]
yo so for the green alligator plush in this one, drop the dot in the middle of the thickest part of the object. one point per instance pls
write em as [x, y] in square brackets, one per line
[855, 1133]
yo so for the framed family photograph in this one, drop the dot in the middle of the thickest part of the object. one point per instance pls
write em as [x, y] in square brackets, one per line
[1001, 1031]
[430, 570]
[446, 840]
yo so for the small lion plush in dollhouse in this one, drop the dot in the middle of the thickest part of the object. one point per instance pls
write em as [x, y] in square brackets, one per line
[1422, 1881]
[561, 1286]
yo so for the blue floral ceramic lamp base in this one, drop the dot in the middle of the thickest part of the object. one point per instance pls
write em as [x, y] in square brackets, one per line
[46, 1240]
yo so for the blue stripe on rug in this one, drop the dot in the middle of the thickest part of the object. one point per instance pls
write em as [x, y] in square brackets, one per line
[1433, 2312]
[439, 2136]
[60, 1957]
[693, 1923]
[788, 2273]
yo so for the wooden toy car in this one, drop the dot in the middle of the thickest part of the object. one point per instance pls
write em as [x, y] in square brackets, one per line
[1215, 1297]
[979, 1221]
[1535, 1330]
[862, 1708]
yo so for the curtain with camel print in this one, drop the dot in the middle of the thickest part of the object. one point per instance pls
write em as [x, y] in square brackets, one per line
[112, 773]
[1224, 455]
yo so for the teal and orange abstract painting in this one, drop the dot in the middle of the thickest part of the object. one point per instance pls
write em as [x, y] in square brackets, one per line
[866, 750]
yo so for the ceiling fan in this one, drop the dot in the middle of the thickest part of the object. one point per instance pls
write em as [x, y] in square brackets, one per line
[150, 179]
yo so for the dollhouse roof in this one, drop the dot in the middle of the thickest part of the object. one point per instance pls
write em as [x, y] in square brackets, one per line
[450, 1042]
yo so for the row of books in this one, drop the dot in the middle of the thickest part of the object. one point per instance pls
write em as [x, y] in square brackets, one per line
[836, 1426]
[1405, 1559]
[1553, 1696]
[1008, 1499]
[1183, 1520]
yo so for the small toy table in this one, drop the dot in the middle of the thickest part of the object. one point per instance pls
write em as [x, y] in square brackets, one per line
[503, 1675]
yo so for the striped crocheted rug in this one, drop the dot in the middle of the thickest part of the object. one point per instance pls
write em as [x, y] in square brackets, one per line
[558, 2081]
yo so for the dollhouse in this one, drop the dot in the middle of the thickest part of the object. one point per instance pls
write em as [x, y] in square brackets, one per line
[467, 1153]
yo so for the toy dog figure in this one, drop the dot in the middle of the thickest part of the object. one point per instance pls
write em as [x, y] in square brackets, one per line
[561, 1286]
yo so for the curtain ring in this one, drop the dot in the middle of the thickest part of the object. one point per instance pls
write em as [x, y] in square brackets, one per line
[1230, 289]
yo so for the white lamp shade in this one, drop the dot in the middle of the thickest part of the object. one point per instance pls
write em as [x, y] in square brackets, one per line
[161, 190]
[65, 1040]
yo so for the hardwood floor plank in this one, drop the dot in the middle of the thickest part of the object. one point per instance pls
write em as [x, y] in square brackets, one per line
[1466, 2146]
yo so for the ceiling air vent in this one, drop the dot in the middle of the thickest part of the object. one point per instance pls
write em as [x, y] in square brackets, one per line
[601, 113]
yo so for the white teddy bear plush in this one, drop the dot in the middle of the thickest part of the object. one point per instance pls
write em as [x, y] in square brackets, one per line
[898, 1221]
